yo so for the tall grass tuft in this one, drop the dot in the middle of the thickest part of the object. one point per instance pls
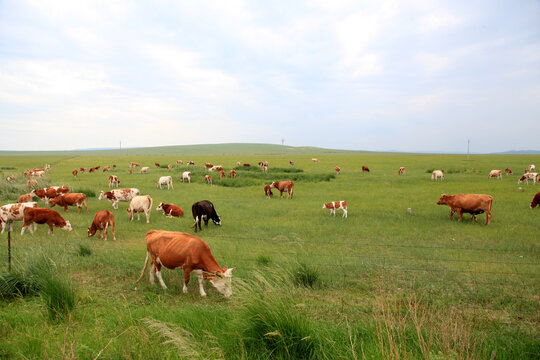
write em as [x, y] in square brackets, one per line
[306, 276]
[59, 296]
[83, 250]
[263, 260]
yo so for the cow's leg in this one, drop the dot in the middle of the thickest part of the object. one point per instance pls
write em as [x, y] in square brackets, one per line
[158, 274]
[138, 216]
[50, 229]
[66, 208]
[488, 217]
[152, 270]
[460, 214]
[187, 274]
[452, 211]
[106, 230]
[33, 228]
[147, 213]
[84, 203]
[115, 205]
[113, 236]
[200, 278]
[25, 225]
[344, 213]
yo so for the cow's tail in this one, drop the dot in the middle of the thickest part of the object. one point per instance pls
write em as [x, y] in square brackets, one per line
[151, 202]
[145, 265]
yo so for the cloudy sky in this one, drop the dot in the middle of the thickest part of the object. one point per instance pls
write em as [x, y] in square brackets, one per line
[365, 75]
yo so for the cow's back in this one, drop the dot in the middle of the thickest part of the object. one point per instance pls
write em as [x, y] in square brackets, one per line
[473, 201]
[176, 249]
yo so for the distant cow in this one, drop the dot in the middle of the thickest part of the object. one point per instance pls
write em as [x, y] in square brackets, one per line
[232, 174]
[186, 175]
[34, 216]
[365, 168]
[38, 173]
[437, 174]
[282, 186]
[191, 162]
[106, 168]
[315, 160]
[24, 198]
[265, 169]
[169, 167]
[83, 169]
[179, 162]
[10, 178]
[165, 180]
[138, 205]
[208, 165]
[204, 210]
[157, 164]
[75, 172]
[529, 176]
[14, 212]
[291, 163]
[336, 205]
[532, 167]
[31, 184]
[246, 164]
[44, 194]
[208, 179]
[472, 203]
[496, 174]
[508, 171]
[401, 171]
[102, 221]
[170, 210]
[222, 174]
[535, 201]
[97, 167]
[145, 170]
[70, 199]
[177, 249]
[113, 181]
[338, 170]
[92, 170]
[117, 195]
[133, 164]
[268, 191]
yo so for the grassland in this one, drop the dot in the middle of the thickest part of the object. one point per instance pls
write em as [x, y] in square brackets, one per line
[381, 284]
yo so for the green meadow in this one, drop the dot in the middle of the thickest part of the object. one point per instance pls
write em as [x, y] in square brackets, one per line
[384, 283]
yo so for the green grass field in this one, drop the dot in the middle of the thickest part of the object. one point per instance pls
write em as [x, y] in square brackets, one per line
[380, 284]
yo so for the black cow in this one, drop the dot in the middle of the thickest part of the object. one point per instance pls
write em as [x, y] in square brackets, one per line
[204, 210]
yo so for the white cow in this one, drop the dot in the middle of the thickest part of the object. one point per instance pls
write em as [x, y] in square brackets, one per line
[138, 205]
[117, 195]
[496, 174]
[532, 167]
[145, 170]
[186, 175]
[165, 180]
[437, 174]
[14, 212]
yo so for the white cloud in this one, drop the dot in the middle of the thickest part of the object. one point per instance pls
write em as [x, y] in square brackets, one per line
[439, 19]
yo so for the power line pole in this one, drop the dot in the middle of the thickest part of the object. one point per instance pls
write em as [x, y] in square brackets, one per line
[282, 147]
[468, 146]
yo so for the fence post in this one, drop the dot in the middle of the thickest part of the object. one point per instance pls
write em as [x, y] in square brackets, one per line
[9, 244]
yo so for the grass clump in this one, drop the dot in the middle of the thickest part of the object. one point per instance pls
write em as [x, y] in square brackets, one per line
[306, 276]
[263, 260]
[83, 250]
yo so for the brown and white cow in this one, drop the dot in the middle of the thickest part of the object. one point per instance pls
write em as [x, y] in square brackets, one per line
[10, 178]
[337, 169]
[508, 171]
[169, 167]
[282, 186]
[265, 169]
[182, 250]
[496, 174]
[38, 173]
[97, 167]
[529, 176]
[138, 205]
[246, 164]
[83, 169]
[14, 212]
[208, 179]
[75, 172]
[186, 175]
[208, 165]
[113, 181]
[232, 174]
[70, 199]
[291, 163]
[179, 162]
[222, 174]
[268, 191]
[532, 167]
[191, 162]
[24, 198]
[92, 169]
[34, 216]
[365, 168]
[47, 167]
[401, 170]
[535, 201]
[170, 210]
[471, 203]
[106, 168]
[102, 221]
[336, 205]
[437, 174]
[315, 160]
[133, 164]
[145, 170]
[130, 171]
[165, 180]
[117, 195]
[44, 194]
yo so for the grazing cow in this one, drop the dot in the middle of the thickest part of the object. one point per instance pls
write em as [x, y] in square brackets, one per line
[114, 166]
[179, 162]
[338, 170]
[169, 167]
[191, 162]
[401, 171]
[232, 174]
[145, 170]
[38, 173]
[437, 174]
[208, 179]
[315, 160]
[165, 180]
[71, 199]
[27, 173]
[208, 165]
[138, 205]
[186, 175]
[529, 176]
[25, 198]
[133, 164]
[265, 169]
[47, 167]
[60, 189]
[170, 210]
[263, 163]
[117, 195]
[365, 168]
[216, 168]
[204, 210]
[535, 201]
[268, 191]
[238, 163]
[222, 174]
[177, 249]
[247, 164]
[496, 174]
[34, 216]
[282, 186]
[336, 205]
[10, 178]
[75, 172]
[14, 212]
[157, 164]
[291, 163]
[102, 221]
[44, 194]
[471, 203]
[83, 170]
[508, 171]
[97, 167]
[92, 170]
[113, 181]
[106, 168]
[532, 167]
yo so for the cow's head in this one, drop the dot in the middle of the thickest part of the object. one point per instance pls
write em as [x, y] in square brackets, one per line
[91, 231]
[130, 213]
[101, 195]
[222, 281]
[218, 221]
[273, 185]
[67, 226]
[443, 200]
[160, 207]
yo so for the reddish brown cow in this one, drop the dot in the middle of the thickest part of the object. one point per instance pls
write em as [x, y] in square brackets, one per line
[71, 199]
[208, 165]
[34, 216]
[170, 210]
[97, 167]
[191, 162]
[401, 171]
[133, 164]
[282, 186]
[106, 168]
[232, 173]
[508, 171]
[247, 164]
[92, 170]
[102, 221]
[75, 172]
[365, 168]
[535, 201]
[45, 194]
[157, 164]
[222, 174]
[268, 191]
[25, 198]
[83, 170]
[471, 203]
[338, 170]
[208, 179]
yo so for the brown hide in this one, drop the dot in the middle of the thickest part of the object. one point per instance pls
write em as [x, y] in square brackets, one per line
[472, 203]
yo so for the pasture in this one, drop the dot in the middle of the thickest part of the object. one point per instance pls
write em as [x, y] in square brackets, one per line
[381, 284]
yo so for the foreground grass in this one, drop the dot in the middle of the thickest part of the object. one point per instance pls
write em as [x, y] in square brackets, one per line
[381, 284]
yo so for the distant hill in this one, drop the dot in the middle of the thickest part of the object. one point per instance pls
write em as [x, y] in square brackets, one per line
[520, 152]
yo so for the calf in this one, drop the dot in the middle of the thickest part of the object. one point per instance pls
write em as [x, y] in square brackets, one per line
[179, 162]
[336, 205]
[186, 175]
[113, 181]
[471, 203]
[165, 180]
[437, 174]
[204, 210]
[496, 174]
[14, 212]
[529, 176]
[34, 216]
[71, 199]
[338, 170]
[75, 172]
[282, 186]
[315, 160]
[170, 210]
[535, 201]
[145, 170]
[133, 164]
[401, 171]
[169, 167]
[268, 191]
[208, 179]
[232, 174]
[102, 221]
[24, 198]
[138, 205]
[117, 195]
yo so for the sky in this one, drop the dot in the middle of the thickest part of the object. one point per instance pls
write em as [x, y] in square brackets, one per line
[403, 75]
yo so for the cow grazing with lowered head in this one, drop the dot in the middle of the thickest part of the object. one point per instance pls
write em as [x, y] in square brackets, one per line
[315, 160]
[10, 178]
[117, 195]
[268, 191]
[165, 180]
[82, 170]
[471, 203]
[437, 174]
[133, 164]
[338, 170]
[535, 201]
[14, 212]
[204, 210]
[401, 171]
[529, 176]
[102, 221]
[222, 174]
[170, 210]
[24, 198]
[282, 186]
[208, 179]
[157, 164]
[186, 175]
[145, 170]
[182, 250]
[113, 181]
[365, 168]
[138, 205]
[336, 205]
[70, 199]
[34, 216]
[496, 174]
[508, 171]
[291, 163]
[106, 168]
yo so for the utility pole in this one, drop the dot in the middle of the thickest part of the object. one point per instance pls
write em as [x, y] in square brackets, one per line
[468, 146]
[282, 147]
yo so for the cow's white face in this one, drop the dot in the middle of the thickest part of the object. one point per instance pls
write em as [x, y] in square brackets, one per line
[222, 283]
[217, 222]
[101, 195]
[160, 207]
[67, 227]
